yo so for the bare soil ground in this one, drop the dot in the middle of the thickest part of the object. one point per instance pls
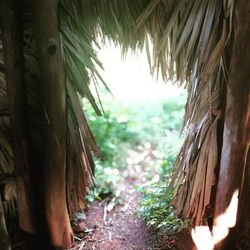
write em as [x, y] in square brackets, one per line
[122, 229]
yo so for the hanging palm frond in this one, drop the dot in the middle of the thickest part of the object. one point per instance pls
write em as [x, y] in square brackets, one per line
[193, 41]
[189, 42]
[6, 155]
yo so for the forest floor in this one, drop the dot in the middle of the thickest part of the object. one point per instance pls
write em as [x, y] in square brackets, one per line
[109, 227]
[116, 225]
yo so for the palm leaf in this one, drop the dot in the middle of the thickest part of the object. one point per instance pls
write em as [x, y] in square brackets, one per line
[189, 42]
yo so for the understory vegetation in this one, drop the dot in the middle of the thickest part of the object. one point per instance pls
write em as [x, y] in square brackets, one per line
[139, 141]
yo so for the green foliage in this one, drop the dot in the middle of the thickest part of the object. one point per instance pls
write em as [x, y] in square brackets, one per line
[155, 205]
[147, 125]
[155, 208]
[106, 181]
[155, 120]
[113, 135]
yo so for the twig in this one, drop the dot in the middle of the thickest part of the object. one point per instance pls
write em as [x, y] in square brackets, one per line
[82, 245]
[77, 238]
[105, 200]
[110, 236]
[105, 213]
[106, 238]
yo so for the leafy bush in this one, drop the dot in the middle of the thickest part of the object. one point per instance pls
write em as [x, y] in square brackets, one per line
[113, 135]
[155, 205]
[106, 181]
[155, 208]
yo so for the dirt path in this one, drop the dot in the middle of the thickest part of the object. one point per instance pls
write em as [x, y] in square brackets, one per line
[119, 228]
[122, 229]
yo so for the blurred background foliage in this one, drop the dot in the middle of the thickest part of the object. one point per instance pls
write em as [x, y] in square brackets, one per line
[139, 136]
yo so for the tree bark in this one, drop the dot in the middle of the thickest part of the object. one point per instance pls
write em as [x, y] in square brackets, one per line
[236, 134]
[53, 100]
[243, 221]
[14, 71]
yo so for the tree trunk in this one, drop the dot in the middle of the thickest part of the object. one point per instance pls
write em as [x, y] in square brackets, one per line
[236, 134]
[243, 221]
[53, 99]
[13, 65]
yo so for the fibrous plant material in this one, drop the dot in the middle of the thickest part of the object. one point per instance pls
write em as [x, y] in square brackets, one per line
[188, 41]
[194, 39]
[15, 92]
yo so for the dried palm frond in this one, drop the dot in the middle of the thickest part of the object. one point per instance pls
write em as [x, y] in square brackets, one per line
[80, 64]
[4, 242]
[6, 155]
[189, 42]
[195, 39]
